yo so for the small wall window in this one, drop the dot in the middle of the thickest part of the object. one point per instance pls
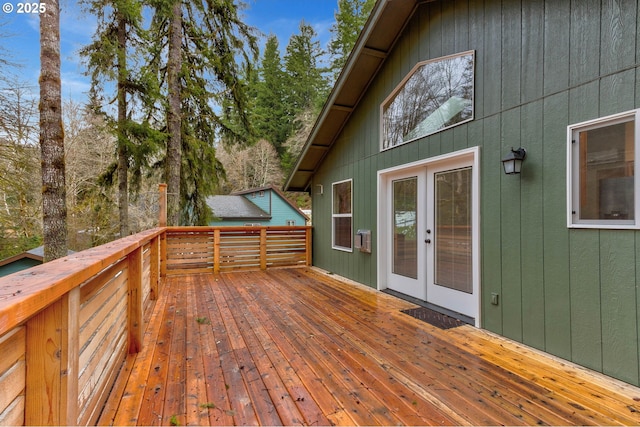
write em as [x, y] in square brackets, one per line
[603, 188]
[342, 216]
[291, 222]
[435, 95]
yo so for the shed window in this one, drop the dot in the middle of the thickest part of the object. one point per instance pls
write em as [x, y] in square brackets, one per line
[603, 185]
[342, 216]
[435, 95]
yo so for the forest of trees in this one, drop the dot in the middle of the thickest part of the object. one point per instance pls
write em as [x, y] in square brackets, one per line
[180, 93]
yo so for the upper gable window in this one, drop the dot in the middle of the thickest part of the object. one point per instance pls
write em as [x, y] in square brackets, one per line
[436, 95]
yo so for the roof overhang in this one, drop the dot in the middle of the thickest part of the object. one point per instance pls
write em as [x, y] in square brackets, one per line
[386, 22]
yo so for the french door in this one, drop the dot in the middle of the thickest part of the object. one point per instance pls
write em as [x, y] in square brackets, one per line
[408, 205]
[431, 234]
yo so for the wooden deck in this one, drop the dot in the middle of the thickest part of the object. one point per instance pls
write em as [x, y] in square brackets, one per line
[295, 346]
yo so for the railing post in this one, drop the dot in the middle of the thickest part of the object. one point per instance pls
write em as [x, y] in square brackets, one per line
[154, 254]
[162, 201]
[71, 357]
[216, 250]
[308, 246]
[52, 357]
[135, 310]
[263, 248]
[163, 254]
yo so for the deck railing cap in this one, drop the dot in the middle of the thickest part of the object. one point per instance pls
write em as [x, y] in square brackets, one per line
[24, 293]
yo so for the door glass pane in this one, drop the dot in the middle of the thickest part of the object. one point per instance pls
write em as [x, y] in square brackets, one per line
[405, 231]
[453, 230]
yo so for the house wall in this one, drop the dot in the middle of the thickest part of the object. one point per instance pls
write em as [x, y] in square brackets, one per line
[280, 210]
[539, 67]
[243, 223]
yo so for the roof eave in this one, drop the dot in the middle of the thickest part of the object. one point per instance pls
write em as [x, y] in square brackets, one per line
[386, 22]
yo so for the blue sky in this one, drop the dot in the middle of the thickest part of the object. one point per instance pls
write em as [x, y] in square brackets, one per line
[19, 34]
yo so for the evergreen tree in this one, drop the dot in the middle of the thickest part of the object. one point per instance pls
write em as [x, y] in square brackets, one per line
[305, 83]
[173, 164]
[270, 111]
[216, 48]
[350, 18]
[112, 57]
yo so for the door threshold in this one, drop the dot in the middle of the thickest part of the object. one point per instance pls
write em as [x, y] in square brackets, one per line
[463, 318]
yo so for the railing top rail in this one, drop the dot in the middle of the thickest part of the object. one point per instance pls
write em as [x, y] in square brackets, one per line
[187, 229]
[24, 293]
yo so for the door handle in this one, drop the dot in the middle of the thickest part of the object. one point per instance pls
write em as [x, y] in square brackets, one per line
[427, 240]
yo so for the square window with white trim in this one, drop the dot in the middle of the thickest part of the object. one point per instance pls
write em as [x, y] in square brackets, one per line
[603, 187]
[342, 215]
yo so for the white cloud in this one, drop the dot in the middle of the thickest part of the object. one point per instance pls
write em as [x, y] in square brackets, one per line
[75, 86]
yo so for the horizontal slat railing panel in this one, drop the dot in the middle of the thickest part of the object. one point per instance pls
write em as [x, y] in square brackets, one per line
[67, 326]
[12, 377]
[287, 248]
[99, 335]
[217, 249]
[189, 249]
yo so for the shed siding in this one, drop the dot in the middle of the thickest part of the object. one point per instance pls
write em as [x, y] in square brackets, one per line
[263, 202]
[281, 211]
[18, 265]
[540, 66]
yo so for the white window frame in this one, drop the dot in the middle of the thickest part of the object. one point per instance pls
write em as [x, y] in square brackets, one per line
[573, 172]
[338, 215]
[398, 89]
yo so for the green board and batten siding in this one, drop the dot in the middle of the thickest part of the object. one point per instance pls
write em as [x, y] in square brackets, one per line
[539, 66]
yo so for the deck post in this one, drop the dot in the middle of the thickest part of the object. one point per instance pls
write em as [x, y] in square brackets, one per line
[162, 219]
[163, 254]
[154, 254]
[52, 356]
[263, 248]
[308, 246]
[216, 250]
[135, 310]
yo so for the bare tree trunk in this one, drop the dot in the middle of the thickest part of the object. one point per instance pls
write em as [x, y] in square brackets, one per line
[54, 208]
[174, 115]
[123, 154]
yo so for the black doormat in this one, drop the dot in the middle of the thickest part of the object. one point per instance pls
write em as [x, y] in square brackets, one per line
[434, 318]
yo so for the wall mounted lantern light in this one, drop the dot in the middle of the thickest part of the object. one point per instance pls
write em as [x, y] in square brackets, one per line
[512, 162]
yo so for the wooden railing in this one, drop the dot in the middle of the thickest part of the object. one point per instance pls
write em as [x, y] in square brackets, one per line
[218, 249]
[67, 326]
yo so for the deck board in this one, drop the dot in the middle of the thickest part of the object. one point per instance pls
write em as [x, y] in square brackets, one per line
[298, 347]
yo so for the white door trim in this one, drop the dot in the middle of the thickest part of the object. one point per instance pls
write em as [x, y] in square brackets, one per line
[385, 241]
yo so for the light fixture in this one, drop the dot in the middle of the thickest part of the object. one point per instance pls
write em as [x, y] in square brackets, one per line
[512, 162]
